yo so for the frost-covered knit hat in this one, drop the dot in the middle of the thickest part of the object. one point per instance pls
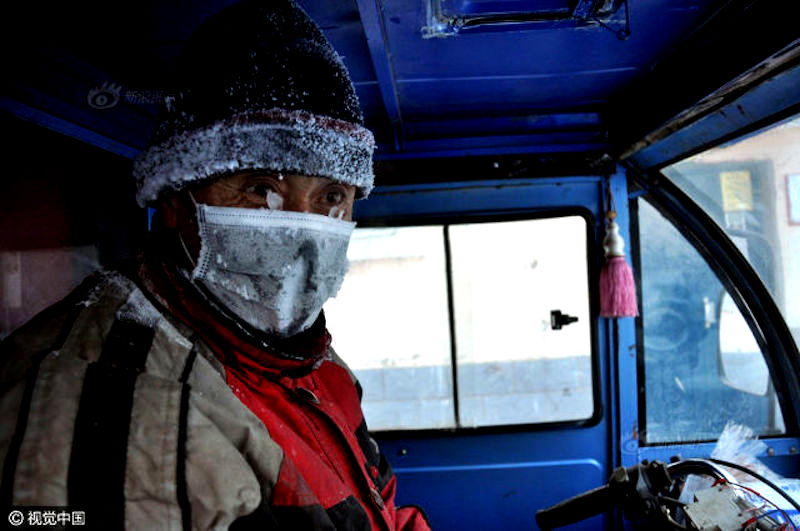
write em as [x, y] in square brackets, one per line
[259, 87]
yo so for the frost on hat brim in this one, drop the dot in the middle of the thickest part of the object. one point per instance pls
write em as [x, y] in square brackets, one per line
[275, 140]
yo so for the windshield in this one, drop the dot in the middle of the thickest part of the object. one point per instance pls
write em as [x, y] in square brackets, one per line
[751, 188]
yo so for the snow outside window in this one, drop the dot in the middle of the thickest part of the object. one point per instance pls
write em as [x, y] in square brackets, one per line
[391, 324]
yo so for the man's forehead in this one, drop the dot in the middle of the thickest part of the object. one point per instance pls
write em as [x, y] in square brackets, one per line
[288, 177]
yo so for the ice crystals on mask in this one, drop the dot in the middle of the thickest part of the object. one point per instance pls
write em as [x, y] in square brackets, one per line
[336, 212]
[278, 267]
[274, 200]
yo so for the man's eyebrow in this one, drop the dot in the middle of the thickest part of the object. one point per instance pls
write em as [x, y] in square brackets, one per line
[256, 173]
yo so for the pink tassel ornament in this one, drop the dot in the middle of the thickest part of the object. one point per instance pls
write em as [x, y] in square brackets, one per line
[617, 288]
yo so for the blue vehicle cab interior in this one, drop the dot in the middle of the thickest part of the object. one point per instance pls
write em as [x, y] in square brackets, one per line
[506, 130]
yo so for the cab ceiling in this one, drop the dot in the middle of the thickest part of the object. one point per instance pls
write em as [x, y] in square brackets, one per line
[432, 81]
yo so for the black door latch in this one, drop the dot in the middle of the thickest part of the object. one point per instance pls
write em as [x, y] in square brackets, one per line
[559, 320]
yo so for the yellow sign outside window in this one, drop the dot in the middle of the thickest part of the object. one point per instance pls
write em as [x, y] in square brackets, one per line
[737, 190]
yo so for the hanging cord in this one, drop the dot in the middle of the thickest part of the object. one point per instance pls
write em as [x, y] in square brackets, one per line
[611, 204]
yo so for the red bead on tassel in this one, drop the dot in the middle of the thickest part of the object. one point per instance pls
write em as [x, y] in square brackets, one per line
[617, 288]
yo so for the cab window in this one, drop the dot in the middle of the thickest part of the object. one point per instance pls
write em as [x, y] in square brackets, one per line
[701, 365]
[469, 325]
[751, 188]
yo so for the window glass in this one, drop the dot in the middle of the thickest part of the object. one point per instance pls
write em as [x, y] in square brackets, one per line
[751, 187]
[513, 366]
[391, 323]
[743, 365]
[702, 366]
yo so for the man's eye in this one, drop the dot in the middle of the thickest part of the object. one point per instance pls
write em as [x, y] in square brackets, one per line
[260, 190]
[334, 197]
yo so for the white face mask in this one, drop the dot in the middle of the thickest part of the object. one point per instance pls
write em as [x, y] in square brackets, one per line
[274, 269]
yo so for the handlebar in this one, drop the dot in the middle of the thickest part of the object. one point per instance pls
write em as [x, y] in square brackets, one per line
[635, 488]
[577, 508]
[640, 490]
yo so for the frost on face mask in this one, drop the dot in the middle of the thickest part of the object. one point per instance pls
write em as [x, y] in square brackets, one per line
[274, 200]
[278, 268]
[336, 212]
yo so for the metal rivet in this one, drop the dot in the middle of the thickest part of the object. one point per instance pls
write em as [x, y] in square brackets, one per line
[402, 452]
[770, 451]
[793, 449]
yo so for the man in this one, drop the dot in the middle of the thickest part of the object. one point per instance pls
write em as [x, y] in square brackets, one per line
[196, 389]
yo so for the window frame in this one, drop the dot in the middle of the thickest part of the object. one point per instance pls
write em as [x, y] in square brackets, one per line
[593, 269]
[737, 277]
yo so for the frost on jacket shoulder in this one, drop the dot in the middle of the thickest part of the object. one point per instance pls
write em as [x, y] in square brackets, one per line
[98, 415]
[113, 408]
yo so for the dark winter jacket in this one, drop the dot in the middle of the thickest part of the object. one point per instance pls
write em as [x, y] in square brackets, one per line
[116, 408]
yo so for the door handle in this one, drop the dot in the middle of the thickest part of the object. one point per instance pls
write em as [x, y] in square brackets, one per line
[559, 320]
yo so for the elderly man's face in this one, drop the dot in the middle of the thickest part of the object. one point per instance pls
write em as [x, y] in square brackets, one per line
[297, 193]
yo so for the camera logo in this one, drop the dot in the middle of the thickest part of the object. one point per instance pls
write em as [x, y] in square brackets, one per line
[105, 96]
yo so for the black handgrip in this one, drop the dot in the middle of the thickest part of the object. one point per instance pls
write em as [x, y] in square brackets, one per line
[575, 509]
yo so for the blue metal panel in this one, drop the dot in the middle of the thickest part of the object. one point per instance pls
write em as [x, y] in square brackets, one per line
[776, 446]
[549, 142]
[54, 91]
[505, 74]
[376, 120]
[502, 95]
[498, 479]
[65, 127]
[756, 106]
[118, 122]
[454, 148]
[657, 25]
[471, 7]
[373, 20]
[623, 352]
[499, 496]
[486, 197]
[344, 25]
[501, 125]
[511, 72]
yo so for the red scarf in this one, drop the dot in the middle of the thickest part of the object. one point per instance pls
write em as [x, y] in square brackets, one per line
[239, 353]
